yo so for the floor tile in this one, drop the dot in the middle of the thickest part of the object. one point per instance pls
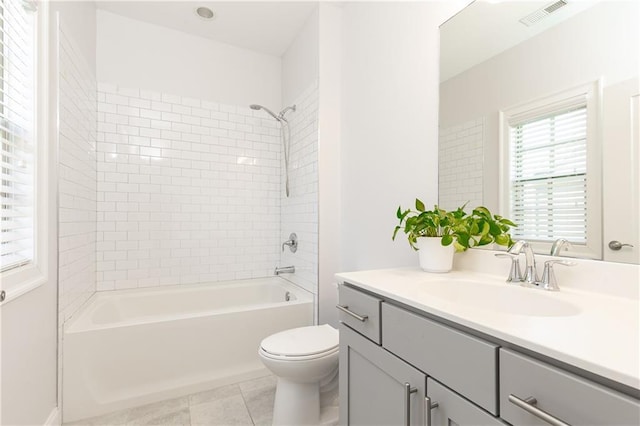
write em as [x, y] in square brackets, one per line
[260, 404]
[221, 412]
[141, 415]
[177, 418]
[259, 383]
[214, 394]
[118, 418]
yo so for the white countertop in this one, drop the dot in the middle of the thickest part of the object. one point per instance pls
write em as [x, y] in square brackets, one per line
[601, 336]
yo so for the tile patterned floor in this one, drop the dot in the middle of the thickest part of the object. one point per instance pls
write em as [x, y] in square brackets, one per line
[247, 403]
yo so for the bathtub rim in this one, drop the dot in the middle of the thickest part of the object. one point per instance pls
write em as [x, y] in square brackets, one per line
[82, 321]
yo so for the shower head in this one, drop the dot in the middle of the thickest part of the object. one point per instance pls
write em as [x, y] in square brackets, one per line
[287, 109]
[279, 117]
[267, 110]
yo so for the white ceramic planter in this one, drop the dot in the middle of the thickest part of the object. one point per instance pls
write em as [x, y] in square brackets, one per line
[434, 257]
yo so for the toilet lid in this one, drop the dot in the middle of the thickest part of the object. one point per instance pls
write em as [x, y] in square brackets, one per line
[302, 341]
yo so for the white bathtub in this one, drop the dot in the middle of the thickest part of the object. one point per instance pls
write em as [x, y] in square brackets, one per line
[131, 347]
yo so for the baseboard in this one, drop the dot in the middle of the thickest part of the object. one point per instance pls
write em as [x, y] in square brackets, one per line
[54, 418]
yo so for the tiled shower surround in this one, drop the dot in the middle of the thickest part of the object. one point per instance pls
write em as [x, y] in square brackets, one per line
[77, 182]
[460, 159]
[188, 190]
[300, 210]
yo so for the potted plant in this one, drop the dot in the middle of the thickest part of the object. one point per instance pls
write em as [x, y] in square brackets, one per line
[438, 233]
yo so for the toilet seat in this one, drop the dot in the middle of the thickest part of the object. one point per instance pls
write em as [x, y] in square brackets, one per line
[301, 343]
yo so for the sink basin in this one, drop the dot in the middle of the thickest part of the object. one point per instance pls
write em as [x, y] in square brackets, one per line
[508, 298]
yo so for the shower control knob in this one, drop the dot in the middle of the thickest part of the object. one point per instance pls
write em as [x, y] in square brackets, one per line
[617, 245]
[292, 243]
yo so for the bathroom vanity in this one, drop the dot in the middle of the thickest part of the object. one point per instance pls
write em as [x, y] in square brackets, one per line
[468, 349]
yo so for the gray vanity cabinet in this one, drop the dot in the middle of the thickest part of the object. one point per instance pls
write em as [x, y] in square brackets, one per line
[449, 408]
[471, 380]
[376, 387]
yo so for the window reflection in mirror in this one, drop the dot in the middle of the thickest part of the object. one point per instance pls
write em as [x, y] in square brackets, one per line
[493, 65]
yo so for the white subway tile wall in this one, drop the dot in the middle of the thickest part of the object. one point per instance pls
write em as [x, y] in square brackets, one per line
[188, 190]
[77, 184]
[299, 212]
[460, 164]
[77, 179]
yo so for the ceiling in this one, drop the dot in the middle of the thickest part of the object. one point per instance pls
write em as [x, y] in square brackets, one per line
[263, 26]
[489, 27]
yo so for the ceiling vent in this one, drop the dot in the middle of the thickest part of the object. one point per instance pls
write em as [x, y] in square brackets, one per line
[540, 14]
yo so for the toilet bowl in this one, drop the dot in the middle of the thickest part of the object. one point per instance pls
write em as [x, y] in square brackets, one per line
[305, 361]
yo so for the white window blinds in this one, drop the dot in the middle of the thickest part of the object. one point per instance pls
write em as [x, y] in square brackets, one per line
[17, 69]
[548, 174]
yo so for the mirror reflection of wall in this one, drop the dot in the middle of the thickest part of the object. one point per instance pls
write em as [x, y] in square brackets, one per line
[491, 64]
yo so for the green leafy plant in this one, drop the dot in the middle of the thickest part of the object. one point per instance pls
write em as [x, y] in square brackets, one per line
[463, 230]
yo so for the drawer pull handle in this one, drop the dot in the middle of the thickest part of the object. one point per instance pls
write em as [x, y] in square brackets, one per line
[529, 405]
[428, 406]
[408, 390]
[346, 310]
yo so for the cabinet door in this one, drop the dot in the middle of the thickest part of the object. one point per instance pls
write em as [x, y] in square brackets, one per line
[449, 409]
[373, 385]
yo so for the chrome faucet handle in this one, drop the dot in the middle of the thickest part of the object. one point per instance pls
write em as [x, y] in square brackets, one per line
[530, 271]
[549, 281]
[515, 274]
[292, 242]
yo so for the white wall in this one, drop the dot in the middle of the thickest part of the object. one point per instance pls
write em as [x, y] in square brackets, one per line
[80, 21]
[329, 162]
[389, 124]
[587, 46]
[300, 61]
[135, 54]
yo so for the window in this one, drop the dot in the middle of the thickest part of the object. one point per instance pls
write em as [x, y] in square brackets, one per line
[17, 133]
[549, 179]
[23, 176]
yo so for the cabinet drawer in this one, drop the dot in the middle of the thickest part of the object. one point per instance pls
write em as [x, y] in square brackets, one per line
[563, 395]
[360, 311]
[466, 364]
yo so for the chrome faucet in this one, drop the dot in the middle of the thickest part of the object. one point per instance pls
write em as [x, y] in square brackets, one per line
[548, 281]
[530, 272]
[558, 245]
[284, 270]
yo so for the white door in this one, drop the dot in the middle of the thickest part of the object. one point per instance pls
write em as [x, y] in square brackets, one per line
[621, 171]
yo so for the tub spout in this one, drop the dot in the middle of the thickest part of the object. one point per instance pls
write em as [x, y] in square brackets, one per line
[284, 270]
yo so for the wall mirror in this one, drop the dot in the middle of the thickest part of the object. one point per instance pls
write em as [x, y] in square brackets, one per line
[516, 76]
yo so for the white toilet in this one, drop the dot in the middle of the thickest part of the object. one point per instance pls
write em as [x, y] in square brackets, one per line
[305, 360]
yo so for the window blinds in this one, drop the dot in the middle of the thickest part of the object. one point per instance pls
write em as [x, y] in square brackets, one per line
[548, 175]
[17, 64]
